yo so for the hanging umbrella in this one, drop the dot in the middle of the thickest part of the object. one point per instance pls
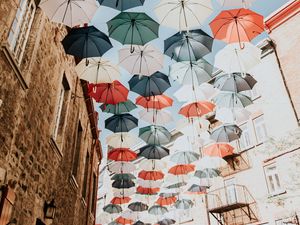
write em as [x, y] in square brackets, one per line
[85, 42]
[125, 140]
[123, 192]
[153, 151]
[123, 176]
[120, 184]
[184, 157]
[144, 60]
[133, 28]
[138, 206]
[197, 109]
[183, 14]
[184, 204]
[152, 164]
[111, 208]
[147, 191]
[237, 25]
[114, 223]
[157, 210]
[188, 46]
[141, 223]
[209, 162]
[193, 127]
[226, 133]
[233, 59]
[104, 218]
[121, 123]
[176, 185]
[166, 222]
[235, 82]
[147, 86]
[197, 189]
[207, 173]
[235, 3]
[108, 93]
[183, 143]
[120, 201]
[192, 73]
[232, 100]
[232, 115]
[162, 201]
[154, 116]
[188, 93]
[154, 102]
[156, 135]
[121, 107]
[181, 169]
[165, 194]
[122, 167]
[172, 179]
[123, 221]
[218, 150]
[121, 154]
[121, 4]
[150, 183]
[151, 175]
[131, 215]
[70, 13]
[98, 70]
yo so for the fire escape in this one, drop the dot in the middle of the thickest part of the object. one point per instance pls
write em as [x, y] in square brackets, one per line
[232, 205]
[236, 162]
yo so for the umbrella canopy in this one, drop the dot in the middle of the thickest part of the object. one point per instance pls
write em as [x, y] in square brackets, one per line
[128, 214]
[114, 223]
[108, 93]
[120, 201]
[207, 173]
[121, 4]
[153, 151]
[123, 220]
[70, 13]
[176, 185]
[235, 3]
[154, 102]
[237, 25]
[184, 157]
[154, 116]
[157, 210]
[184, 204]
[181, 169]
[232, 115]
[232, 100]
[191, 127]
[123, 192]
[162, 201]
[111, 208]
[191, 72]
[85, 42]
[141, 223]
[121, 167]
[144, 60]
[121, 123]
[235, 82]
[218, 150]
[123, 176]
[166, 222]
[133, 28]
[197, 109]
[150, 183]
[138, 206]
[120, 184]
[165, 194]
[121, 107]
[152, 164]
[151, 175]
[233, 59]
[122, 154]
[183, 14]
[147, 191]
[147, 86]
[197, 189]
[125, 140]
[188, 46]
[226, 133]
[155, 135]
[209, 162]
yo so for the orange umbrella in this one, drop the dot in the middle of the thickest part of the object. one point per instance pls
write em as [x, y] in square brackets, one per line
[166, 201]
[147, 191]
[154, 102]
[124, 221]
[218, 149]
[237, 25]
[197, 109]
[182, 169]
[122, 154]
[119, 201]
[151, 175]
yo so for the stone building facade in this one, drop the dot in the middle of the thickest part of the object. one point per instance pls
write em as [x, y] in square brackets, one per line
[49, 147]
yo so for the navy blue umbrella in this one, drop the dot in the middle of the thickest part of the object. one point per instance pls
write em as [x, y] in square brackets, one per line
[147, 86]
[121, 184]
[121, 4]
[121, 123]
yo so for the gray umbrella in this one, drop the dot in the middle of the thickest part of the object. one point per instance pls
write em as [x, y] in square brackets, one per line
[232, 100]
[177, 185]
[235, 82]
[226, 133]
[154, 152]
[166, 222]
[157, 210]
[207, 173]
[184, 157]
[138, 206]
[111, 208]
[155, 135]
[184, 204]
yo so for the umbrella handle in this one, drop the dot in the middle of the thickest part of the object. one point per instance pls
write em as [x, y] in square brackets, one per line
[242, 45]
[132, 49]
[87, 62]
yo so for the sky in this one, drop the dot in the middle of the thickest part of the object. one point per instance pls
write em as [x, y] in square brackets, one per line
[104, 14]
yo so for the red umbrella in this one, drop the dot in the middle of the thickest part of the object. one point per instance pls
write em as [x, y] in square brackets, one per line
[182, 169]
[119, 201]
[197, 109]
[122, 154]
[151, 175]
[166, 201]
[154, 102]
[237, 25]
[109, 93]
[218, 149]
[122, 220]
[147, 191]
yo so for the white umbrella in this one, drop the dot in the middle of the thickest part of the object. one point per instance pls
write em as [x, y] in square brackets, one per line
[103, 218]
[154, 116]
[131, 215]
[184, 143]
[233, 59]
[119, 167]
[69, 12]
[183, 14]
[124, 140]
[98, 70]
[193, 126]
[149, 183]
[145, 60]
[126, 192]
[233, 115]
[173, 179]
[152, 164]
[209, 162]
[235, 3]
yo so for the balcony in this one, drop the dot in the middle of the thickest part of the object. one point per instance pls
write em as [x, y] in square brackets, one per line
[235, 163]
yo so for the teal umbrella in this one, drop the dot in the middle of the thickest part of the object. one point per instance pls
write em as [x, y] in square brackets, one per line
[207, 173]
[123, 176]
[122, 107]
[111, 208]
[184, 204]
[155, 135]
[184, 157]
[228, 99]
[133, 28]
[121, 4]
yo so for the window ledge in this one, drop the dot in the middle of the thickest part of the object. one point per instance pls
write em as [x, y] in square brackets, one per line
[14, 65]
[55, 148]
[73, 183]
[278, 193]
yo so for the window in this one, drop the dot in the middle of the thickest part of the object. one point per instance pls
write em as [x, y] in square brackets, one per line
[245, 140]
[77, 149]
[273, 180]
[19, 31]
[260, 129]
[94, 194]
[86, 172]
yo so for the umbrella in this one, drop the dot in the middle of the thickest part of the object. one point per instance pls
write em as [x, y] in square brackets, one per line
[188, 93]
[111, 208]
[155, 116]
[114, 223]
[121, 123]
[123, 192]
[235, 82]
[122, 167]
[120, 201]
[184, 204]
[138, 206]
[209, 162]
[121, 107]
[166, 200]
[165, 194]
[152, 164]
[133, 28]
[176, 185]
[232, 100]
[184, 157]
[123, 176]
[104, 218]
[232, 115]
[144, 60]
[70, 13]
[183, 14]
[154, 102]
[98, 70]
[122, 154]
[123, 220]
[193, 127]
[147, 86]
[85, 42]
[237, 25]
[218, 150]
[197, 109]
[120, 184]
[151, 175]
[188, 46]
[183, 143]
[197, 189]
[157, 210]
[153, 151]
[155, 135]
[191, 72]
[121, 4]
[128, 214]
[147, 191]
[233, 59]
[235, 3]
[226, 133]
[207, 173]
[166, 222]
[181, 169]
[108, 93]
[150, 183]
[141, 223]
[124, 140]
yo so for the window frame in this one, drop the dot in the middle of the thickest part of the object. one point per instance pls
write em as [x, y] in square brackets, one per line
[77, 150]
[276, 191]
[260, 141]
[241, 138]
